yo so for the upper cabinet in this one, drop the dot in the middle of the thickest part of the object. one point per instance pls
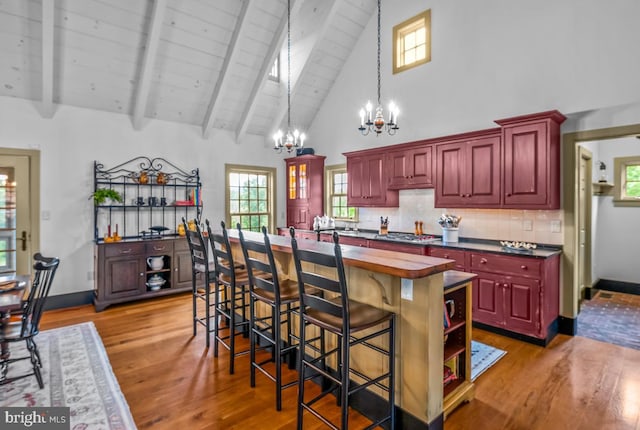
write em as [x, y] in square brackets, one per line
[468, 173]
[411, 167]
[532, 160]
[367, 180]
[305, 190]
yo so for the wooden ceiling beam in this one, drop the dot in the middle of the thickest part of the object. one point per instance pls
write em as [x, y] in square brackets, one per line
[151, 49]
[48, 9]
[274, 48]
[305, 57]
[239, 32]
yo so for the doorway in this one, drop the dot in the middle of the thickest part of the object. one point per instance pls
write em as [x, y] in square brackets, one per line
[573, 266]
[19, 209]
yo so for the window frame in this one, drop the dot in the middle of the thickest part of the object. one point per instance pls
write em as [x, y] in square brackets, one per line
[329, 172]
[421, 20]
[271, 173]
[620, 165]
[274, 72]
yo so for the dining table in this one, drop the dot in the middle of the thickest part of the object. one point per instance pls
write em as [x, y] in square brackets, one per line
[12, 292]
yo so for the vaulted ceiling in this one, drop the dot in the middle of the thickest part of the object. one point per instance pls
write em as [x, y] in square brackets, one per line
[201, 62]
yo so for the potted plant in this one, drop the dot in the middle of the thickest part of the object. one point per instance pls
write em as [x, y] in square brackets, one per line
[102, 194]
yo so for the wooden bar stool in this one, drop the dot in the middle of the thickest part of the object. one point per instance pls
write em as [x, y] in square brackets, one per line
[231, 283]
[280, 296]
[202, 274]
[353, 323]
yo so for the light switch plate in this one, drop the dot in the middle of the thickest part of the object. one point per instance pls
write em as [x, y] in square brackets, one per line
[527, 225]
[555, 226]
[406, 290]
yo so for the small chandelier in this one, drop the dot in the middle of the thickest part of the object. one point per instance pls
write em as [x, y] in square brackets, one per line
[289, 140]
[376, 123]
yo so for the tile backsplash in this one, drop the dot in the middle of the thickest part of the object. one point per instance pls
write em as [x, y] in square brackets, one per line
[536, 226]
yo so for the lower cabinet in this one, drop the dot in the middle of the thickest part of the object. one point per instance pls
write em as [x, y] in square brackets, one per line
[519, 294]
[129, 271]
[398, 247]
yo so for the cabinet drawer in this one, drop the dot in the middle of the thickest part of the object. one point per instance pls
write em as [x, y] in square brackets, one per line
[521, 266]
[159, 247]
[450, 254]
[122, 249]
[398, 247]
[181, 244]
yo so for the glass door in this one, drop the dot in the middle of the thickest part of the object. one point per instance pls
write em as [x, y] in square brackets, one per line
[15, 237]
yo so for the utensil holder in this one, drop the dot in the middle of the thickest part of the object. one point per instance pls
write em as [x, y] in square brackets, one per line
[449, 234]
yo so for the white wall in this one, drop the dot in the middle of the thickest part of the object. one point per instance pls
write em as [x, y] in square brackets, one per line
[71, 141]
[616, 233]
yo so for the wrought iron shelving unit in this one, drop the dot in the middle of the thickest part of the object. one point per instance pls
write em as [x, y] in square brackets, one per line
[168, 194]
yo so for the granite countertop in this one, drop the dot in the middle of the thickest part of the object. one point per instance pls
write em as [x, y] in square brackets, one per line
[542, 251]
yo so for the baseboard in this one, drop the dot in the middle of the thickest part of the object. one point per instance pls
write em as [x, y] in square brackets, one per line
[551, 333]
[69, 300]
[568, 326]
[617, 286]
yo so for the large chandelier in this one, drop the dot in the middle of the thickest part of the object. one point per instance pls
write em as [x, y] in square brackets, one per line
[291, 139]
[369, 122]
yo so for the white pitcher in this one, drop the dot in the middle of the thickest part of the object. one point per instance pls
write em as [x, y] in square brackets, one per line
[156, 263]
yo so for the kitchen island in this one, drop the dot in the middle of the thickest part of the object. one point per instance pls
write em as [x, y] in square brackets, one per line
[412, 286]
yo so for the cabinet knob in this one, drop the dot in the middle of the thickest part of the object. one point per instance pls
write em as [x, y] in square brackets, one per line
[505, 285]
[141, 274]
[483, 261]
[125, 251]
[508, 194]
[523, 267]
[446, 255]
[175, 270]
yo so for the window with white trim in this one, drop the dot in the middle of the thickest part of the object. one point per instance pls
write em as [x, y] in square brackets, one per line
[336, 191]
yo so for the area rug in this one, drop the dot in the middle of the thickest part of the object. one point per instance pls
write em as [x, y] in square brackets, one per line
[611, 317]
[76, 374]
[483, 357]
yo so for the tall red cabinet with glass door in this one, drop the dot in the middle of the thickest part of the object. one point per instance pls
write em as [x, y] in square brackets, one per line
[305, 190]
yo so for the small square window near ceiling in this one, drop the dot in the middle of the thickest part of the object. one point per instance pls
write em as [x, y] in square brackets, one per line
[412, 42]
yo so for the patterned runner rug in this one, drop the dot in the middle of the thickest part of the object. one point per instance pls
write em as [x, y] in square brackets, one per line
[611, 317]
[483, 357]
[77, 374]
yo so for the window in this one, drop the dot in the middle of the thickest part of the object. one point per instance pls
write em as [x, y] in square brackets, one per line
[337, 194]
[627, 181]
[274, 73]
[250, 198]
[412, 42]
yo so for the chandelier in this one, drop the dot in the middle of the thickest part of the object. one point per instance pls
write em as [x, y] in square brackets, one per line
[291, 139]
[369, 122]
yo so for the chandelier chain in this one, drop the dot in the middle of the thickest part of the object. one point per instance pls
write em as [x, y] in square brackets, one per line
[379, 52]
[289, 64]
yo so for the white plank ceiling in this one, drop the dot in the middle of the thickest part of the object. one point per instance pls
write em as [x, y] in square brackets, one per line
[202, 62]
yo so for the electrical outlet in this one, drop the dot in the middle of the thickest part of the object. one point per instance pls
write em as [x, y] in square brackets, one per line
[555, 226]
[46, 215]
[527, 225]
[406, 289]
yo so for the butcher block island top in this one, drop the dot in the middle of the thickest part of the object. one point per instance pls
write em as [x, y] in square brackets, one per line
[410, 285]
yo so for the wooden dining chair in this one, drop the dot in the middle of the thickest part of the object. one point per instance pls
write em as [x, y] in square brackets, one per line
[28, 326]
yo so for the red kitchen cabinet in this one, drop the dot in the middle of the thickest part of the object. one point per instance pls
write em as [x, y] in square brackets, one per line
[367, 181]
[532, 160]
[468, 172]
[398, 247]
[518, 294]
[411, 168]
[459, 256]
[305, 190]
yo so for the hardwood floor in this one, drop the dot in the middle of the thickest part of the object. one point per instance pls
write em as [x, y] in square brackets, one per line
[171, 381]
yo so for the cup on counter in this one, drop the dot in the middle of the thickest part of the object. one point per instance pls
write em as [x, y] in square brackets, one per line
[163, 201]
[153, 201]
[140, 201]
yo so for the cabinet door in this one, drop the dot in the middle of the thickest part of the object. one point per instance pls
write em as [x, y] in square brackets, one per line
[182, 270]
[488, 299]
[411, 168]
[297, 181]
[522, 306]
[526, 165]
[482, 172]
[298, 216]
[450, 165]
[367, 182]
[124, 276]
